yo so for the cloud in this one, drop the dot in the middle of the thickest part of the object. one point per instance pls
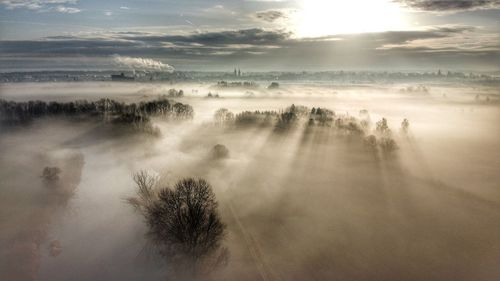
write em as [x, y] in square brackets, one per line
[446, 45]
[204, 43]
[125, 8]
[219, 10]
[450, 5]
[254, 36]
[42, 5]
[271, 15]
[67, 10]
[449, 39]
[142, 64]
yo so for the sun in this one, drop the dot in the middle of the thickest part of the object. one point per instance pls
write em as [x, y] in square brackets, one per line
[328, 17]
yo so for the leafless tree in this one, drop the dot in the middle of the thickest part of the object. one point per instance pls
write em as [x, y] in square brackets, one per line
[184, 225]
[146, 192]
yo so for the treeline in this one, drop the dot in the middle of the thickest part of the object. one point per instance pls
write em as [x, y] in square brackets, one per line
[110, 110]
[281, 120]
[343, 124]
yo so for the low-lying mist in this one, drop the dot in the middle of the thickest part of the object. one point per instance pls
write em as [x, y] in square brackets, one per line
[310, 182]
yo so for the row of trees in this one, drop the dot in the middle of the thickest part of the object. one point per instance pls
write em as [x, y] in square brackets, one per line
[284, 119]
[344, 124]
[108, 109]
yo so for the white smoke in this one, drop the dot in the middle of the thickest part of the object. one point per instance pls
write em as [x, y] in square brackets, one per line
[144, 64]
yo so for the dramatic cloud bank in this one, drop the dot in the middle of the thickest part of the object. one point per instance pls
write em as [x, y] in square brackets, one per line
[437, 46]
[450, 5]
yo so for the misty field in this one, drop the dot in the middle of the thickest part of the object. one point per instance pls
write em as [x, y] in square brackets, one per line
[310, 181]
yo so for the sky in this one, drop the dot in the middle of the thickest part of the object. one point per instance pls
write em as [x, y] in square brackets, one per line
[254, 35]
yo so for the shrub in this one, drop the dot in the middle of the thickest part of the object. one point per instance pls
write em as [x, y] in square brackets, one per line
[220, 151]
[51, 173]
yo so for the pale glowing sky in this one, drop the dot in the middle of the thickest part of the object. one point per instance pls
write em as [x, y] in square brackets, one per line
[322, 18]
[259, 34]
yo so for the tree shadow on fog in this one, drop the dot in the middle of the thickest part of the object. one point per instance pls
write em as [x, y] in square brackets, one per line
[103, 133]
[184, 226]
[432, 180]
[336, 184]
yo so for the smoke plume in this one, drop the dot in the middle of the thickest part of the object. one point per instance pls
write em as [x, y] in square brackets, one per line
[142, 64]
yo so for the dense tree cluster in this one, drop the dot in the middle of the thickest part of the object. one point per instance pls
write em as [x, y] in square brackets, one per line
[288, 118]
[13, 112]
[244, 84]
[253, 118]
[382, 137]
[321, 116]
[173, 93]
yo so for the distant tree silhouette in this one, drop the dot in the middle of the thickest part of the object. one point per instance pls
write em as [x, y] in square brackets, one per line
[343, 125]
[223, 117]
[220, 151]
[173, 93]
[273, 86]
[51, 174]
[387, 144]
[405, 126]
[322, 116]
[382, 128]
[371, 141]
[290, 116]
[20, 112]
[255, 118]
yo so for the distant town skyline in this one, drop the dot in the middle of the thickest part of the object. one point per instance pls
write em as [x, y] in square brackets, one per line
[258, 35]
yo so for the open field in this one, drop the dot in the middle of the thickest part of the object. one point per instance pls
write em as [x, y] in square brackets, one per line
[312, 200]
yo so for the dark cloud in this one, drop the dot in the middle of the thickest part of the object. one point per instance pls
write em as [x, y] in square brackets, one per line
[193, 46]
[271, 15]
[450, 5]
[245, 36]
[404, 36]
[63, 47]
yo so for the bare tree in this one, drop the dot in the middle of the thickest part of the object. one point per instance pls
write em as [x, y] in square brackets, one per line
[184, 225]
[146, 192]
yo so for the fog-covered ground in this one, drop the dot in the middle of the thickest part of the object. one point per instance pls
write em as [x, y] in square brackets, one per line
[305, 205]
